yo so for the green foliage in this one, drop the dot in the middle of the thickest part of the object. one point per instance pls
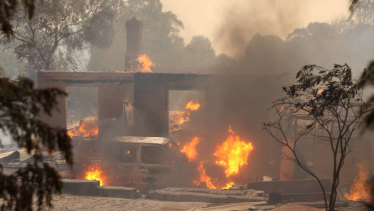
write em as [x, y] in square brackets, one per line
[20, 106]
[67, 24]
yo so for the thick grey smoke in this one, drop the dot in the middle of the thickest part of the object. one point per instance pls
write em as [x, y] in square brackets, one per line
[266, 42]
[242, 22]
[271, 61]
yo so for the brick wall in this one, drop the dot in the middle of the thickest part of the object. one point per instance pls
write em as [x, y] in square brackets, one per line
[58, 116]
[110, 102]
[151, 107]
[151, 112]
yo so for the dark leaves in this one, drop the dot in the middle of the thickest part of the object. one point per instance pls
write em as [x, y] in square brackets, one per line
[20, 106]
[353, 5]
[8, 10]
[318, 89]
[367, 78]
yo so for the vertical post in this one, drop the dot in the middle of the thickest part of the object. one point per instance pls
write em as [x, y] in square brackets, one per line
[287, 167]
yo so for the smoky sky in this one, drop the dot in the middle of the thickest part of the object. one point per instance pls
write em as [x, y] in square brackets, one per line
[268, 49]
[277, 17]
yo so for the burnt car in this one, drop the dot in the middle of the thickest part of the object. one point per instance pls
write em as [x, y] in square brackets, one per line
[142, 162]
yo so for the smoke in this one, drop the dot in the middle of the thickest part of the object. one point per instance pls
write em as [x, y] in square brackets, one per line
[269, 50]
[275, 41]
[243, 21]
[5, 139]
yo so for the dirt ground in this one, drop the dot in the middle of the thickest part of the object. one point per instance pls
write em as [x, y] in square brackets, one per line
[91, 203]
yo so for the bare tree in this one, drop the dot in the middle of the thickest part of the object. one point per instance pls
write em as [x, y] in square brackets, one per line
[332, 102]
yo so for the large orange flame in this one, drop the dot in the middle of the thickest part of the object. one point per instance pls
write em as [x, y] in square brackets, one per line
[233, 153]
[189, 149]
[86, 128]
[360, 190]
[95, 173]
[145, 63]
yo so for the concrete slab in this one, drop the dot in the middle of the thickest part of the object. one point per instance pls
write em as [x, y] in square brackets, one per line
[117, 191]
[236, 206]
[92, 188]
[206, 195]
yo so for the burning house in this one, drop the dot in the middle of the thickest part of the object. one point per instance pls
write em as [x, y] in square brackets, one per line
[147, 121]
[137, 102]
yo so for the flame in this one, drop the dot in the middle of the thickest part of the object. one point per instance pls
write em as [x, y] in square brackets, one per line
[177, 120]
[95, 173]
[203, 177]
[360, 190]
[228, 185]
[86, 128]
[233, 153]
[192, 106]
[189, 149]
[145, 63]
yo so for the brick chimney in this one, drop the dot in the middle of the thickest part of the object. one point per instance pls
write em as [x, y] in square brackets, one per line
[134, 35]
